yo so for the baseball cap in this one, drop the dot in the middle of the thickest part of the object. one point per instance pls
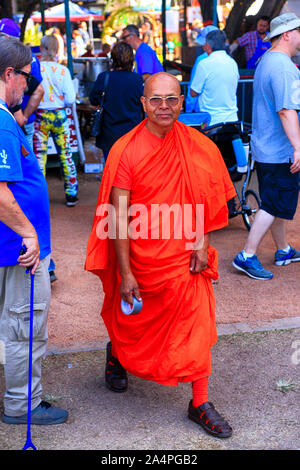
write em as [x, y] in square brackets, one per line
[9, 27]
[281, 24]
[201, 38]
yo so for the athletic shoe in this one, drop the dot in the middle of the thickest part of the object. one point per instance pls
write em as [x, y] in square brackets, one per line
[282, 258]
[44, 414]
[71, 201]
[252, 267]
[52, 276]
[115, 375]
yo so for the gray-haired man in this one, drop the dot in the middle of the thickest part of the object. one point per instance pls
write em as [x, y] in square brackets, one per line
[216, 80]
[24, 222]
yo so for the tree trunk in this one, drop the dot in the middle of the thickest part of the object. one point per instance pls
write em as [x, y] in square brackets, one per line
[236, 17]
[29, 7]
[6, 9]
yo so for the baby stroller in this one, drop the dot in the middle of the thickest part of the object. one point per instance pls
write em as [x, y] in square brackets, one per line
[232, 140]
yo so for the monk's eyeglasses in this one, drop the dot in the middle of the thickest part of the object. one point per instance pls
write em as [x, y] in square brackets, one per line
[28, 76]
[158, 100]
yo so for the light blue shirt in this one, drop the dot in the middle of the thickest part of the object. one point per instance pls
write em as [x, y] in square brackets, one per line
[216, 81]
[192, 102]
[276, 86]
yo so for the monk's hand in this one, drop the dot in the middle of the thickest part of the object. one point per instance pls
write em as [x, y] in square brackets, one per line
[129, 287]
[199, 261]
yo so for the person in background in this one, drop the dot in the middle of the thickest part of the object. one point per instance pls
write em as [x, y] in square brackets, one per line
[122, 106]
[105, 50]
[61, 44]
[192, 102]
[51, 117]
[147, 33]
[146, 59]
[254, 43]
[275, 144]
[24, 113]
[79, 48]
[89, 51]
[216, 79]
[84, 33]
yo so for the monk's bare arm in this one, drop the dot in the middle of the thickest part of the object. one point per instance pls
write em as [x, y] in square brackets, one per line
[199, 258]
[120, 198]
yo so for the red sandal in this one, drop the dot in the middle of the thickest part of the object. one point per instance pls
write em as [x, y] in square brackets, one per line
[212, 422]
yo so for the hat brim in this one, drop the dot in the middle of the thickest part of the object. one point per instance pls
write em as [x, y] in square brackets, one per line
[284, 28]
[200, 41]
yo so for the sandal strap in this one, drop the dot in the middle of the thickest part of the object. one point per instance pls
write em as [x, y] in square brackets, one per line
[211, 418]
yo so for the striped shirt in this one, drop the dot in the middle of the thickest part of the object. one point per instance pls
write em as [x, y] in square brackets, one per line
[249, 41]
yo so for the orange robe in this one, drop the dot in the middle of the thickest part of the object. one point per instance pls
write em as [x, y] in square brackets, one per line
[170, 339]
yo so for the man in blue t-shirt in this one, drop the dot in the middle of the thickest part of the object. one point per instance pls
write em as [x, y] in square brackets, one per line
[275, 146]
[146, 59]
[24, 224]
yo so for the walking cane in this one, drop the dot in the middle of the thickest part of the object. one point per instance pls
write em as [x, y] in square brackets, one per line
[29, 443]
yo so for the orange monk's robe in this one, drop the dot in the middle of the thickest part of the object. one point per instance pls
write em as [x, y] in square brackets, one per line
[170, 339]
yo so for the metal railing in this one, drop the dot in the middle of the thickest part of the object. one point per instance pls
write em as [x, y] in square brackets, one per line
[244, 99]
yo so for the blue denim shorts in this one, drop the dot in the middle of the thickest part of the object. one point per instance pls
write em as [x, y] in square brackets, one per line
[278, 189]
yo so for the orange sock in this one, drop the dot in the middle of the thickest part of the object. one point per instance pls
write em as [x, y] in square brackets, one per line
[200, 387]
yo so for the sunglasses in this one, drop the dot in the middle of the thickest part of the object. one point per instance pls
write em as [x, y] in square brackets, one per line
[125, 37]
[158, 100]
[28, 76]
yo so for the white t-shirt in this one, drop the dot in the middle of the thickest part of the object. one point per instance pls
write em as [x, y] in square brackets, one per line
[58, 86]
[216, 81]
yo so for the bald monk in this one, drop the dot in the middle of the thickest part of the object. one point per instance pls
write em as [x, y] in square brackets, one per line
[161, 163]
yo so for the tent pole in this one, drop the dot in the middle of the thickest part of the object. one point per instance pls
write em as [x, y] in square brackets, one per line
[215, 14]
[42, 7]
[163, 25]
[69, 35]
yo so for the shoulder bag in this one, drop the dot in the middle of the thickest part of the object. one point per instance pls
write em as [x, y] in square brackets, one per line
[98, 116]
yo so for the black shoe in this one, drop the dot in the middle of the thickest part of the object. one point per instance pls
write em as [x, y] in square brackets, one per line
[211, 421]
[71, 201]
[115, 375]
[232, 212]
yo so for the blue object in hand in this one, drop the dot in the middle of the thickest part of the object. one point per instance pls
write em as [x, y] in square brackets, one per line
[133, 309]
[240, 155]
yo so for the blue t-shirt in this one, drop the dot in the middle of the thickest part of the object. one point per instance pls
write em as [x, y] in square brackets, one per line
[36, 72]
[192, 102]
[20, 169]
[276, 86]
[146, 60]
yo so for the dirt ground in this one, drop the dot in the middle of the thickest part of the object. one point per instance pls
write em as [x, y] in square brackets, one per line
[255, 380]
[74, 320]
[244, 386]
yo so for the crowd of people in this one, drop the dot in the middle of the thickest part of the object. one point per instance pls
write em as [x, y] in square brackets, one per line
[148, 161]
